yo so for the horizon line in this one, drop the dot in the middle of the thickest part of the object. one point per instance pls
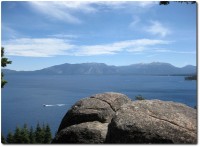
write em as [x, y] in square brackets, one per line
[105, 64]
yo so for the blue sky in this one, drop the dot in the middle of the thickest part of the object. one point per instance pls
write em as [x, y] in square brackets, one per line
[38, 34]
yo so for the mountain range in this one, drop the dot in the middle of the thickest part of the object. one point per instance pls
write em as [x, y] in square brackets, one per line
[154, 68]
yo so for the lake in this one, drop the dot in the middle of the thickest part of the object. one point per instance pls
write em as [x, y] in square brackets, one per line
[23, 97]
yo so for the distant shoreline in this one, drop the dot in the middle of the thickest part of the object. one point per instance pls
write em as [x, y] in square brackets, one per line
[155, 68]
[193, 77]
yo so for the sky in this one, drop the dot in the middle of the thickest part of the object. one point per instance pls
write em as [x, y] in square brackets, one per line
[39, 34]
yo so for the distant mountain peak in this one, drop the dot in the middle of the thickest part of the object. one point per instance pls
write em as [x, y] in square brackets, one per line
[188, 66]
[160, 63]
[152, 63]
[93, 68]
[94, 63]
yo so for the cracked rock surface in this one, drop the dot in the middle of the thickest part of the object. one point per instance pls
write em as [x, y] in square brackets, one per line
[99, 107]
[88, 132]
[114, 118]
[153, 121]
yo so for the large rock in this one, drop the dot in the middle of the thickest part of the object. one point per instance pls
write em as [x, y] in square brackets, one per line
[114, 118]
[89, 132]
[99, 107]
[153, 121]
[115, 100]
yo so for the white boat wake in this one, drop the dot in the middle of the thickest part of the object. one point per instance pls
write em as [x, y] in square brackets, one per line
[59, 105]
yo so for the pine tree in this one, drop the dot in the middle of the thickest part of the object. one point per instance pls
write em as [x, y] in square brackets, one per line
[3, 140]
[10, 138]
[38, 134]
[43, 133]
[32, 136]
[4, 62]
[25, 135]
[47, 137]
[17, 135]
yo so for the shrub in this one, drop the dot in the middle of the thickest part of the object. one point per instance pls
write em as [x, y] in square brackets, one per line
[139, 97]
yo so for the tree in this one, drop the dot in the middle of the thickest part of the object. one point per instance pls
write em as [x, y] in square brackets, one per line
[164, 2]
[10, 138]
[25, 135]
[17, 135]
[32, 136]
[47, 136]
[3, 140]
[139, 97]
[43, 133]
[38, 134]
[4, 62]
[168, 2]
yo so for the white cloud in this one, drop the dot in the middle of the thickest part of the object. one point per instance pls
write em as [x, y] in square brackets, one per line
[135, 21]
[157, 28]
[69, 36]
[47, 47]
[66, 10]
[8, 32]
[127, 4]
[174, 51]
[39, 47]
[56, 10]
[84, 6]
[146, 4]
[135, 46]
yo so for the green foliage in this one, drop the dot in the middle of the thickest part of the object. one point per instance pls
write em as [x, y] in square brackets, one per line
[139, 97]
[3, 140]
[3, 82]
[30, 136]
[4, 62]
[39, 134]
[25, 135]
[47, 136]
[168, 2]
[164, 2]
[17, 135]
[10, 138]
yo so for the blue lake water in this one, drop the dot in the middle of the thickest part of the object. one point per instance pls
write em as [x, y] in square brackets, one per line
[23, 97]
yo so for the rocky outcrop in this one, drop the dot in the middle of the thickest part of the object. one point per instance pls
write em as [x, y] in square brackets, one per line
[88, 132]
[99, 107]
[153, 121]
[114, 118]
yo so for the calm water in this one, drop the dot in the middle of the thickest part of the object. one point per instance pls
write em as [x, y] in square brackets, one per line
[23, 97]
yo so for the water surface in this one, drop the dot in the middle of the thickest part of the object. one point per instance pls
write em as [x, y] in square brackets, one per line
[24, 96]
